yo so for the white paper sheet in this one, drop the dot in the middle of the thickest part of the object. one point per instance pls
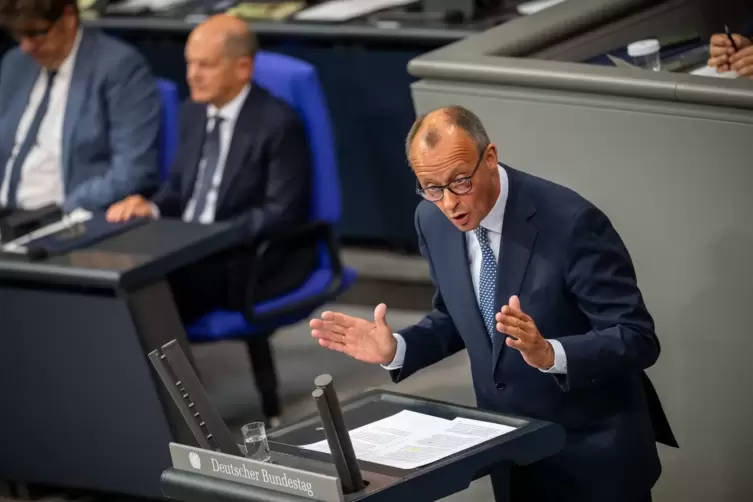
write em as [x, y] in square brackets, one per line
[534, 6]
[707, 71]
[408, 439]
[344, 10]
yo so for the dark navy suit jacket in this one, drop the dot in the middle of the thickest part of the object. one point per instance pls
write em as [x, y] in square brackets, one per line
[265, 187]
[266, 181]
[574, 277]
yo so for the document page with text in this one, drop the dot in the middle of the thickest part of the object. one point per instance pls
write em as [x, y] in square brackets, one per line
[408, 439]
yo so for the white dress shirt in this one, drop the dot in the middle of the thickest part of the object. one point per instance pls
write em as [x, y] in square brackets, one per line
[229, 114]
[493, 224]
[41, 181]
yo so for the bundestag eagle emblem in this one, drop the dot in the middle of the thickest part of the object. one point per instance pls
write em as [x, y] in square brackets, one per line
[194, 460]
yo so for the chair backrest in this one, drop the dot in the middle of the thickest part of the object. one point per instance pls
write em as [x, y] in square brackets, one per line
[170, 131]
[297, 83]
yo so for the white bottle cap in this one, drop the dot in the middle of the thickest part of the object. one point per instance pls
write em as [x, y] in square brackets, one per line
[643, 48]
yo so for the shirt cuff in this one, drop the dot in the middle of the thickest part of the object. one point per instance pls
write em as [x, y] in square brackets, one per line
[155, 210]
[560, 359]
[397, 362]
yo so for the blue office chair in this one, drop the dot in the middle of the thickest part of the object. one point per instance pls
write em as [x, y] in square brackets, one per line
[297, 83]
[170, 129]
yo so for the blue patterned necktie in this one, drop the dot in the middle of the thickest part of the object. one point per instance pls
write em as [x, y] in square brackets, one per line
[29, 141]
[487, 281]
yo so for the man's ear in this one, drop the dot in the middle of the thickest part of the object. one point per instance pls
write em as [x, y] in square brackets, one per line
[245, 66]
[492, 155]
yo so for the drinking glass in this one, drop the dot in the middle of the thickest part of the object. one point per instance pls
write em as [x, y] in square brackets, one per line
[255, 440]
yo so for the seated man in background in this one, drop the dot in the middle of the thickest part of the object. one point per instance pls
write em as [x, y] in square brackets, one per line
[243, 157]
[79, 112]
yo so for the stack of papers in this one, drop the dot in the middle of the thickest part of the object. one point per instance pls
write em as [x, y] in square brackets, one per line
[408, 440]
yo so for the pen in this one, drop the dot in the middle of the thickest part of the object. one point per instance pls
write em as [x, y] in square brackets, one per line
[729, 35]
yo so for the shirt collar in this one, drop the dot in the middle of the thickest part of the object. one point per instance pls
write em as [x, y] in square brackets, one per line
[231, 110]
[493, 221]
[66, 67]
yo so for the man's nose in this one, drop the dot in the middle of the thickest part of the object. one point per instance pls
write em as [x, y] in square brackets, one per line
[450, 201]
[192, 74]
[26, 45]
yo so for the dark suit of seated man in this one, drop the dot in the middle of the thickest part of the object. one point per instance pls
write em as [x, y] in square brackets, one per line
[536, 284]
[243, 157]
[79, 112]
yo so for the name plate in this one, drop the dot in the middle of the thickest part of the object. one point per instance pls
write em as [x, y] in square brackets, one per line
[275, 477]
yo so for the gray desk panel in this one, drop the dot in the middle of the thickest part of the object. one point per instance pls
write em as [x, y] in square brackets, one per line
[648, 21]
[597, 80]
[526, 34]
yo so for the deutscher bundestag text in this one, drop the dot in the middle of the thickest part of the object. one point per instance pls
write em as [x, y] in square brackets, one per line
[264, 476]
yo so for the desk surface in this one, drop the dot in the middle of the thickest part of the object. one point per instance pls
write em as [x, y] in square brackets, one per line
[136, 257]
[383, 26]
[433, 34]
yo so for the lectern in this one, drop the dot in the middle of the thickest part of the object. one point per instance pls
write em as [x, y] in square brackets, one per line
[81, 407]
[217, 471]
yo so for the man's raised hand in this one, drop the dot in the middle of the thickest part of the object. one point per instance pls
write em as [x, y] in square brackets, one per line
[367, 341]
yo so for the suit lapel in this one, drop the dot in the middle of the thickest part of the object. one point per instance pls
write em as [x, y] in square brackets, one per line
[79, 87]
[24, 80]
[458, 254]
[239, 145]
[518, 238]
[194, 145]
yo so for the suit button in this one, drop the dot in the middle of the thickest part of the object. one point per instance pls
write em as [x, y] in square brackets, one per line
[500, 386]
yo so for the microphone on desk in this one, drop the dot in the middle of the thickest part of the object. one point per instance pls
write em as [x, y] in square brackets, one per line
[338, 438]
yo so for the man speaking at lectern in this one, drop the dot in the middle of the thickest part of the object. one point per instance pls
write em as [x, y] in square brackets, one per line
[534, 281]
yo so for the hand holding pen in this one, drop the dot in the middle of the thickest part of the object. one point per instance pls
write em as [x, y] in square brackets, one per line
[725, 51]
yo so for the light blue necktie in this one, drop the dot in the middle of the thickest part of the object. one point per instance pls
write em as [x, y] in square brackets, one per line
[29, 141]
[487, 281]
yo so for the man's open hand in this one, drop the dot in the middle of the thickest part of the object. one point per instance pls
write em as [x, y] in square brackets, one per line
[370, 342]
[524, 336]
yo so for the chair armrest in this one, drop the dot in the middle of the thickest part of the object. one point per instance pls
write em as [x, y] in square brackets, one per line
[310, 234]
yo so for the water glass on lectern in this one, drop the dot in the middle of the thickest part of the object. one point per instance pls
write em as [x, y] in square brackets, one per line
[255, 441]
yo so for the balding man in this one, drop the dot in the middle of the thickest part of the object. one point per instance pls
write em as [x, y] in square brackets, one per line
[243, 157]
[534, 281]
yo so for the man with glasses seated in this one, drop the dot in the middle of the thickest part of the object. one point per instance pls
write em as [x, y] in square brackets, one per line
[79, 112]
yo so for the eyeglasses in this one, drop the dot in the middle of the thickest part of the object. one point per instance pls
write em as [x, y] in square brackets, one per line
[459, 186]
